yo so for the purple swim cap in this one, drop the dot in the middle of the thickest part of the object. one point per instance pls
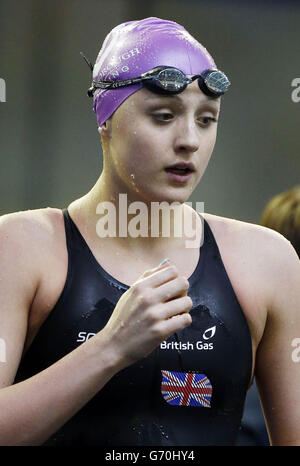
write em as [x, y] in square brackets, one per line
[135, 47]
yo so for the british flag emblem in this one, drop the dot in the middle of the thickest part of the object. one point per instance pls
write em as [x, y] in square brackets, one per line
[186, 389]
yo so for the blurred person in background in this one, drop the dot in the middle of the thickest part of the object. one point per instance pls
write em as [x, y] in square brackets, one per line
[282, 214]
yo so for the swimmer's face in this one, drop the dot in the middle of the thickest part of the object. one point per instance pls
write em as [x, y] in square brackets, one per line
[150, 132]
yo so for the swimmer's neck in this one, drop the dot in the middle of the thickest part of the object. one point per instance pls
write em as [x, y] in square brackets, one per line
[156, 235]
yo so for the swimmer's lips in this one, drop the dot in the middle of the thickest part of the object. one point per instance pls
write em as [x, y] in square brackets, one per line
[181, 171]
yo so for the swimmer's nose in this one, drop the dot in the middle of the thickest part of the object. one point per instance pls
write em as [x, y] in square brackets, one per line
[187, 139]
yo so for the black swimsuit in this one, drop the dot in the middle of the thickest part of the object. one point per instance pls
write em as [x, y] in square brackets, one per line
[189, 391]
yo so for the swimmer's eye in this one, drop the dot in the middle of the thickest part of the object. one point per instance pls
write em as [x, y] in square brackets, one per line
[206, 120]
[166, 116]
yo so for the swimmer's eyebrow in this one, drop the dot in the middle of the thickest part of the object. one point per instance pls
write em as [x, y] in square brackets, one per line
[208, 102]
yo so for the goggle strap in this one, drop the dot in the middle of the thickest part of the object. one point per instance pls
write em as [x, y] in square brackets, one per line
[87, 61]
[116, 84]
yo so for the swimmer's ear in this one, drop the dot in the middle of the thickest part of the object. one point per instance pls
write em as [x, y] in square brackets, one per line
[105, 129]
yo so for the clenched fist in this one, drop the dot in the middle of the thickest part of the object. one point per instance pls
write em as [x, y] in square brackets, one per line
[152, 309]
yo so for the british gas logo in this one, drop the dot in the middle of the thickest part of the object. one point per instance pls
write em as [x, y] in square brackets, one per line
[200, 345]
[208, 334]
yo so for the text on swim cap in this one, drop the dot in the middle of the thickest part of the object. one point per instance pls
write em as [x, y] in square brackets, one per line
[111, 68]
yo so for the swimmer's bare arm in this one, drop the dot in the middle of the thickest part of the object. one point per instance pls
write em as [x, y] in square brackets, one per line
[32, 410]
[278, 375]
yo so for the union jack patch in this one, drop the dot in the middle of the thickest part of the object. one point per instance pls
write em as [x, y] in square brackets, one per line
[186, 389]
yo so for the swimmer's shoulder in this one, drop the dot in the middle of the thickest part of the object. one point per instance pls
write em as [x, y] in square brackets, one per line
[32, 252]
[254, 244]
[254, 234]
[33, 227]
[33, 238]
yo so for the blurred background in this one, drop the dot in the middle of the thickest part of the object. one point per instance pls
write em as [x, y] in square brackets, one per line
[50, 151]
[49, 145]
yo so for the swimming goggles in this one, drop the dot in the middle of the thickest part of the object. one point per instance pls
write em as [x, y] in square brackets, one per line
[169, 80]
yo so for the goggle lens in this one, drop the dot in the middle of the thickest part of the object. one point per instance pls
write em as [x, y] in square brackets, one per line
[171, 80]
[217, 82]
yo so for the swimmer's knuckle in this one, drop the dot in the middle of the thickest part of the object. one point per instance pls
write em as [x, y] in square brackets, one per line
[183, 282]
[183, 320]
[136, 288]
[146, 298]
[187, 319]
[152, 316]
[157, 332]
[188, 301]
